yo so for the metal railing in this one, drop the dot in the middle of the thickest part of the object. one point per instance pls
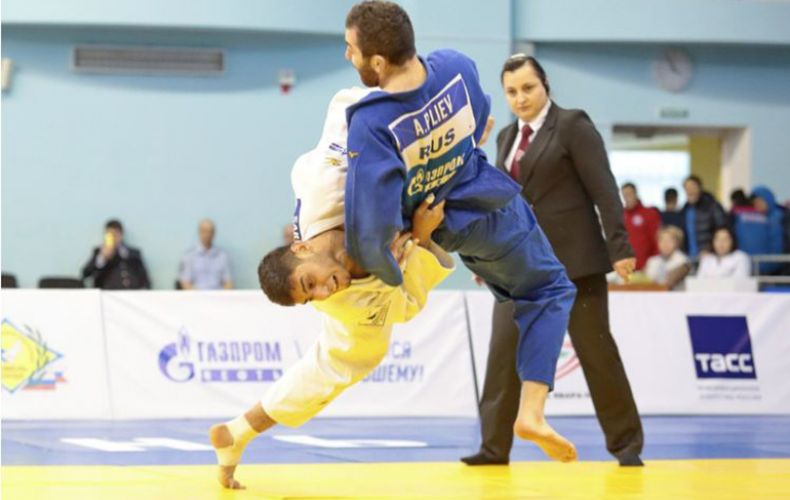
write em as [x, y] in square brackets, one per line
[764, 279]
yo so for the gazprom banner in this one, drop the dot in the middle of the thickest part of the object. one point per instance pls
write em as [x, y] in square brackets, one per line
[193, 355]
[53, 356]
[684, 353]
[94, 355]
[187, 354]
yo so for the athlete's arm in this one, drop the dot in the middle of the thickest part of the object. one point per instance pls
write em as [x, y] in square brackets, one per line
[424, 267]
[373, 200]
[487, 131]
[427, 266]
[426, 220]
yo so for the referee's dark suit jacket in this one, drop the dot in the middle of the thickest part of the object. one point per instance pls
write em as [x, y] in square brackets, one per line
[565, 174]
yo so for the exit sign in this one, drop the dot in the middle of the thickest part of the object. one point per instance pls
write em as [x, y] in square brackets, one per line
[673, 113]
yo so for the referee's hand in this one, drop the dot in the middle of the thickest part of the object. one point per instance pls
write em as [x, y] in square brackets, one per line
[624, 268]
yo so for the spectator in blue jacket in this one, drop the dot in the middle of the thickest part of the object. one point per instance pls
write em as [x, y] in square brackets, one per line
[759, 231]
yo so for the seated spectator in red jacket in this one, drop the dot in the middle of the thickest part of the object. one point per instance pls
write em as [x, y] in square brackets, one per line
[642, 224]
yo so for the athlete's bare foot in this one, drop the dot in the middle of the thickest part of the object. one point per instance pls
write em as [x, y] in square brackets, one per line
[543, 435]
[221, 437]
[230, 438]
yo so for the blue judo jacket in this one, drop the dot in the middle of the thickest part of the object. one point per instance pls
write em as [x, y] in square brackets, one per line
[404, 146]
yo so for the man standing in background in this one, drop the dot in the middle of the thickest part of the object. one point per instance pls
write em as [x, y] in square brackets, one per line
[702, 216]
[115, 266]
[642, 224]
[559, 159]
[204, 266]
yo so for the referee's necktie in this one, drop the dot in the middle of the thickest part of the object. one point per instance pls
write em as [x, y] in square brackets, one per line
[526, 131]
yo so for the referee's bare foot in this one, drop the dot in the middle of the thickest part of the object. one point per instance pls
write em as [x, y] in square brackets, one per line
[221, 437]
[543, 435]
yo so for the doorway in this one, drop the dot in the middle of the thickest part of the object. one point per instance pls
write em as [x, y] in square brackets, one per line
[655, 158]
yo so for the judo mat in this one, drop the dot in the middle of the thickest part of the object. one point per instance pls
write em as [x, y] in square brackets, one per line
[686, 457]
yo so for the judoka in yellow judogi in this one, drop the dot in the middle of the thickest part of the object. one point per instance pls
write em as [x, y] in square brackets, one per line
[359, 310]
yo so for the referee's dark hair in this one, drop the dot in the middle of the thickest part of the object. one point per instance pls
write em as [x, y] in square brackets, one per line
[274, 275]
[517, 61]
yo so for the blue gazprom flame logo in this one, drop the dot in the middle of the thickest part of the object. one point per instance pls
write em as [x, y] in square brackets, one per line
[177, 370]
[220, 361]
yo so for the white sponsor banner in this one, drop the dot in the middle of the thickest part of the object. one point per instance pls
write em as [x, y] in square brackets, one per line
[706, 353]
[684, 353]
[214, 354]
[197, 354]
[53, 356]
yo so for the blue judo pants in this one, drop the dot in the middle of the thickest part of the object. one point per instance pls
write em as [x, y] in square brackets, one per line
[508, 249]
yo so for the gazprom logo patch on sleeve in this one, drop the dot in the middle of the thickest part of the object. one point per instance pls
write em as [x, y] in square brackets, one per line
[722, 347]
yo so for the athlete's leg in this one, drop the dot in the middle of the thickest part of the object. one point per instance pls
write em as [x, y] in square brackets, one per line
[342, 356]
[230, 438]
[509, 250]
[531, 423]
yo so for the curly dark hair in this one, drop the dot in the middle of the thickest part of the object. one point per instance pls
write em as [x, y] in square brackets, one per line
[383, 28]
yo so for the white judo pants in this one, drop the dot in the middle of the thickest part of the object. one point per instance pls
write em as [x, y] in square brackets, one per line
[342, 356]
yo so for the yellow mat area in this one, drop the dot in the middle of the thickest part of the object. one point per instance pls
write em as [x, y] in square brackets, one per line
[666, 480]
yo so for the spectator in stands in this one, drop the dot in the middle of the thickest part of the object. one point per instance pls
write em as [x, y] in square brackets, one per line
[671, 216]
[671, 266]
[739, 203]
[759, 230]
[641, 223]
[739, 199]
[115, 266]
[205, 266]
[726, 261]
[702, 216]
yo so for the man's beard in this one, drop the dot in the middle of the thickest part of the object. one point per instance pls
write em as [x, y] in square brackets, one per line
[368, 76]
